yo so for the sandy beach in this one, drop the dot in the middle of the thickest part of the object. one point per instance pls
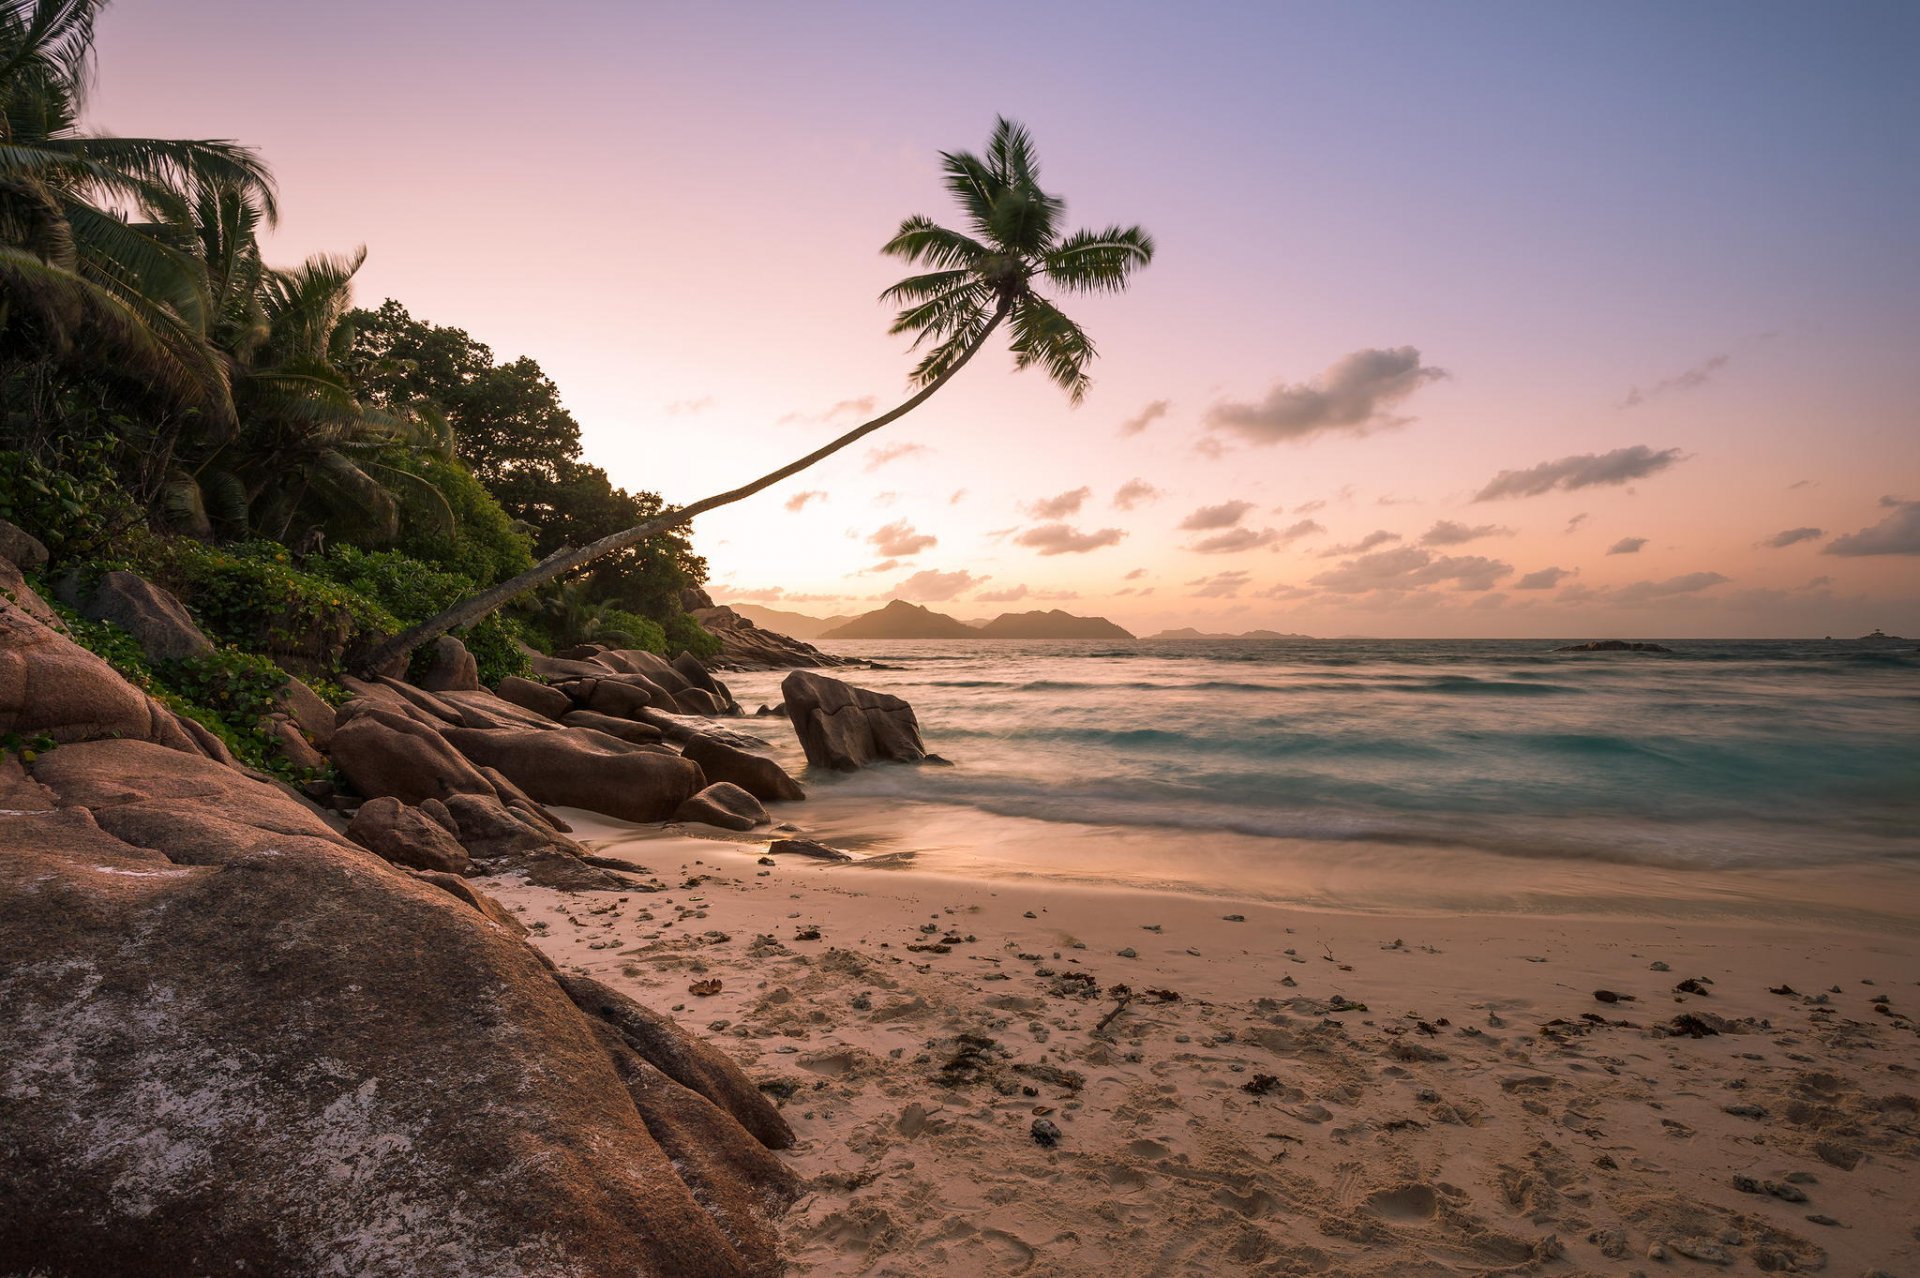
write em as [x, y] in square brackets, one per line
[1560, 1080]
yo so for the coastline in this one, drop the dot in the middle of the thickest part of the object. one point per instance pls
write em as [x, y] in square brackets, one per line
[1518, 1134]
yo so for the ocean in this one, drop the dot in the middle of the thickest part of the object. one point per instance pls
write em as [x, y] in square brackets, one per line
[1724, 754]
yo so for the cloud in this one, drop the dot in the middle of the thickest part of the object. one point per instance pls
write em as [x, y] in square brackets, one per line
[1685, 584]
[1061, 506]
[1234, 540]
[690, 407]
[1897, 534]
[1059, 539]
[898, 540]
[1545, 579]
[798, 501]
[1008, 595]
[1225, 515]
[878, 457]
[1135, 575]
[1574, 523]
[1408, 568]
[1697, 376]
[1378, 537]
[1793, 536]
[1800, 483]
[1145, 417]
[885, 565]
[1627, 546]
[1621, 466]
[1309, 507]
[1221, 585]
[958, 493]
[1133, 492]
[858, 407]
[1447, 532]
[1304, 528]
[1350, 397]
[933, 586]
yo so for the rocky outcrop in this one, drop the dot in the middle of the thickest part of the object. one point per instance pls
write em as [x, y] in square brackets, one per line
[845, 728]
[157, 620]
[633, 730]
[232, 1042]
[450, 667]
[755, 773]
[725, 805]
[745, 646]
[1613, 645]
[537, 697]
[381, 753]
[581, 768]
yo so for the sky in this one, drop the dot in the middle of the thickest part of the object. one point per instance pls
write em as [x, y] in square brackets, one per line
[1500, 319]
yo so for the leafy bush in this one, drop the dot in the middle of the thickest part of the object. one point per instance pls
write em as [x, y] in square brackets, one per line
[75, 508]
[409, 591]
[451, 522]
[684, 633]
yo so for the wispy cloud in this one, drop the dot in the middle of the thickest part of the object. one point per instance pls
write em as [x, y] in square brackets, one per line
[1221, 585]
[855, 408]
[1225, 515]
[690, 407]
[1793, 537]
[1544, 579]
[1448, 532]
[1235, 540]
[1685, 584]
[1627, 546]
[1573, 524]
[899, 540]
[1059, 539]
[1409, 568]
[933, 586]
[798, 501]
[1351, 397]
[1008, 595]
[1379, 537]
[1621, 466]
[878, 457]
[1145, 417]
[1693, 378]
[1133, 492]
[1897, 534]
[1061, 505]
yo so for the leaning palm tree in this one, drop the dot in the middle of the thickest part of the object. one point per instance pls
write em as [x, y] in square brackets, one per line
[974, 281]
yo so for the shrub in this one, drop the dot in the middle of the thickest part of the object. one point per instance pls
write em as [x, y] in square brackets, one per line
[684, 633]
[410, 591]
[75, 508]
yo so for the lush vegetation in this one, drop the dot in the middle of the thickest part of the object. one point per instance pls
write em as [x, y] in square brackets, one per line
[307, 477]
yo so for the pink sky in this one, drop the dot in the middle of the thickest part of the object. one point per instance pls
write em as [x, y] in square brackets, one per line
[1402, 251]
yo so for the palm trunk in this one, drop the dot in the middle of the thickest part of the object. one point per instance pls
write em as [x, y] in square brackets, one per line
[568, 558]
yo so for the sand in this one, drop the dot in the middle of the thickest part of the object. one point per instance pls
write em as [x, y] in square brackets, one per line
[1371, 1089]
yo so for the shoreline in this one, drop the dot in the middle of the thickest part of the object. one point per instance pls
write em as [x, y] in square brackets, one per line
[1518, 1134]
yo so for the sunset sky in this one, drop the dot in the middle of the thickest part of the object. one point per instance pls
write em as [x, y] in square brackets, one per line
[1510, 319]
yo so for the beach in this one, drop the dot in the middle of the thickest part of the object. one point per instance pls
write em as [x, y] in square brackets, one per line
[1704, 1069]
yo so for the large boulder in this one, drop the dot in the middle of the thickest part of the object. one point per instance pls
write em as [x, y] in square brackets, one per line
[623, 696]
[755, 773]
[649, 664]
[484, 710]
[844, 728]
[383, 753]
[313, 716]
[233, 1043]
[537, 697]
[406, 836]
[160, 622]
[450, 667]
[18, 546]
[724, 805]
[581, 768]
[626, 729]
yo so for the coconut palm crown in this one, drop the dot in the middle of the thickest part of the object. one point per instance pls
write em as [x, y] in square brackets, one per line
[992, 271]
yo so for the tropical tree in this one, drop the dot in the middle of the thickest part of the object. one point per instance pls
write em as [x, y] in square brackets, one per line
[97, 270]
[978, 278]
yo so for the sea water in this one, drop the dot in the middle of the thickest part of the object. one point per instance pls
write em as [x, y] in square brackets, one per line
[1732, 754]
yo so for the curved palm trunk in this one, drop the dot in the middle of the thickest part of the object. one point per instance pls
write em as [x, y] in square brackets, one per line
[568, 558]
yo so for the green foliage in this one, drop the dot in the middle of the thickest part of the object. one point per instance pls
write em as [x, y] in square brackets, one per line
[74, 507]
[451, 521]
[408, 591]
[684, 634]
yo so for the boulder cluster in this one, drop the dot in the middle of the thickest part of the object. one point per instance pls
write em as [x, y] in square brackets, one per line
[249, 1028]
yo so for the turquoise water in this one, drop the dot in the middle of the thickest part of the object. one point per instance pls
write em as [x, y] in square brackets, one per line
[1747, 753]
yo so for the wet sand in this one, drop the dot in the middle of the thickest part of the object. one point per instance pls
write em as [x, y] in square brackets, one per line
[1375, 1063]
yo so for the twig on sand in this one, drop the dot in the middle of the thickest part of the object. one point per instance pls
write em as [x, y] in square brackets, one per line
[1118, 1008]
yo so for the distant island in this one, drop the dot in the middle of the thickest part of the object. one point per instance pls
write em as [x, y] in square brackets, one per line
[1188, 632]
[902, 620]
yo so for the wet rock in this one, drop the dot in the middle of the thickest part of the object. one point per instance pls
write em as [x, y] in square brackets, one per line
[724, 805]
[755, 773]
[846, 728]
[807, 847]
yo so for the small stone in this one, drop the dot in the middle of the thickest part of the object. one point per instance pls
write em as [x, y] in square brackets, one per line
[1128, 952]
[1045, 1132]
[1658, 966]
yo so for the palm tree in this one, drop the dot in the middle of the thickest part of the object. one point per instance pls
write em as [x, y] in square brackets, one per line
[977, 279]
[96, 266]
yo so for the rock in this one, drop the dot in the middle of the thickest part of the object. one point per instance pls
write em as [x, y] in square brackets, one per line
[537, 697]
[626, 729]
[233, 1042]
[746, 646]
[1613, 645]
[1838, 1154]
[725, 805]
[314, 716]
[807, 847]
[160, 622]
[688, 667]
[15, 590]
[649, 665]
[435, 710]
[755, 773]
[1045, 1133]
[295, 748]
[555, 668]
[406, 836]
[699, 701]
[845, 728]
[581, 768]
[489, 909]
[381, 753]
[21, 548]
[622, 696]
[450, 667]
[484, 710]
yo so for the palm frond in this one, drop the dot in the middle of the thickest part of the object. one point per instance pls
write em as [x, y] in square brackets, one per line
[1010, 153]
[1098, 261]
[174, 166]
[1043, 335]
[922, 241]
